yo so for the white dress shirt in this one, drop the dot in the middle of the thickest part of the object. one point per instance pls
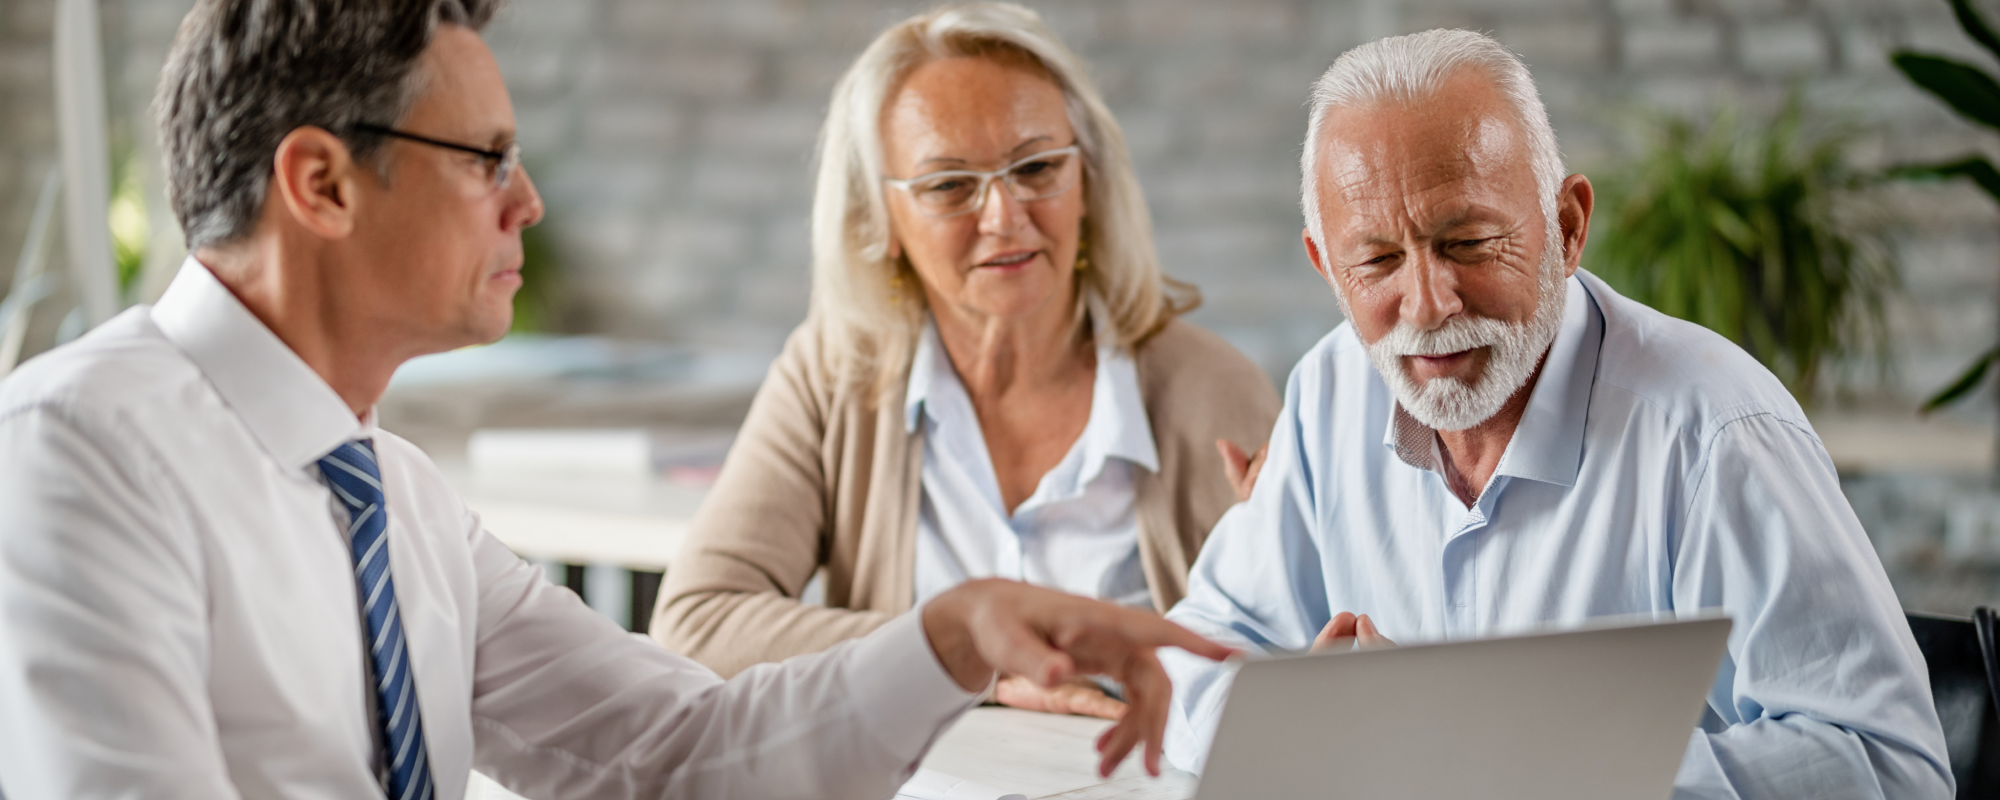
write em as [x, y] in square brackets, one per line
[1658, 469]
[178, 615]
[1078, 532]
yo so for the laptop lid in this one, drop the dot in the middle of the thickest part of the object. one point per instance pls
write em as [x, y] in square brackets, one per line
[1601, 712]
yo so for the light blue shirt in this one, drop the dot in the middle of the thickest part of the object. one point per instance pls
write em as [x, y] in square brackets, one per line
[1078, 532]
[1658, 469]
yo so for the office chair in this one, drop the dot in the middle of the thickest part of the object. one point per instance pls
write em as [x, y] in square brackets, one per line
[1964, 674]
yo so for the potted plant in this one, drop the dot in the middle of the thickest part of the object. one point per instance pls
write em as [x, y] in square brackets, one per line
[1975, 95]
[1737, 228]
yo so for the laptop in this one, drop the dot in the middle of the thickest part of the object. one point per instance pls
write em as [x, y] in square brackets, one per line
[1601, 712]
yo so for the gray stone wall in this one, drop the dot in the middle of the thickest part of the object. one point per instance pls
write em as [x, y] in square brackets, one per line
[27, 118]
[672, 138]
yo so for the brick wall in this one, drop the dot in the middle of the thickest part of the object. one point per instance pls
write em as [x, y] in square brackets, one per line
[672, 138]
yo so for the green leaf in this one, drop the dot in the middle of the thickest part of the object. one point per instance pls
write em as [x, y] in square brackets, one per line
[1730, 225]
[1975, 26]
[1966, 382]
[1977, 168]
[1967, 89]
[1732, 228]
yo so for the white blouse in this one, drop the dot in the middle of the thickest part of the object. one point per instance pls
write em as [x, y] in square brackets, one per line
[1078, 532]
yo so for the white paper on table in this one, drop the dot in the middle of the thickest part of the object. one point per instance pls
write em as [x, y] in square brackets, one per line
[930, 784]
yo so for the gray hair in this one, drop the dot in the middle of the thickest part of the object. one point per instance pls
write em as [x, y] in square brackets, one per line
[870, 324]
[245, 73]
[1413, 68]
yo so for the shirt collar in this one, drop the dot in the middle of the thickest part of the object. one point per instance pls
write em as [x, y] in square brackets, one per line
[1548, 444]
[290, 410]
[924, 365]
[1118, 425]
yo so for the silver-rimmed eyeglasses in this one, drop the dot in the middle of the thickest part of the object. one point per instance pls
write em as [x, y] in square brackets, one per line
[501, 164]
[962, 191]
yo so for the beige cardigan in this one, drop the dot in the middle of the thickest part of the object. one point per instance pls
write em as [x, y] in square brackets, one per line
[822, 477]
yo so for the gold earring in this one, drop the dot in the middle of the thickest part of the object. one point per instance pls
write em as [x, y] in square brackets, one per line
[1082, 252]
[899, 288]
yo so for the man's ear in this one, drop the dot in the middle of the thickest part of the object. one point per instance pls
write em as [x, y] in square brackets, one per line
[1317, 258]
[1573, 206]
[316, 178]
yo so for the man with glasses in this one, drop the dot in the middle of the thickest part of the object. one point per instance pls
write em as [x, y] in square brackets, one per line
[218, 578]
[501, 163]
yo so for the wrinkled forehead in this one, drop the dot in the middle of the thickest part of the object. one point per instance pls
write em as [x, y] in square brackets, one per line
[1462, 143]
[1378, 152]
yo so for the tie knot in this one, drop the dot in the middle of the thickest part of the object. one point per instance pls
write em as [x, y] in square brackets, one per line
[351, 470]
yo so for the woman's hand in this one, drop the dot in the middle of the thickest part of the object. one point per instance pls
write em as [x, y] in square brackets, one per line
[1242, 467]
[1074, 696]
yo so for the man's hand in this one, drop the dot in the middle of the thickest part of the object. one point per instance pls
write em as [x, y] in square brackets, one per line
[1047, 637]
[1349, 632]
[1073, 696]
[1241, 467]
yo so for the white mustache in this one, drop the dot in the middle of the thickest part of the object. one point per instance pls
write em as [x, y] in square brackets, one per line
[1456, 335]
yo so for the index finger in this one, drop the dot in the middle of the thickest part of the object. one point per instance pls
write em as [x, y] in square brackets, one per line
[1234, 461]
[1232, 454]
[1151, 631]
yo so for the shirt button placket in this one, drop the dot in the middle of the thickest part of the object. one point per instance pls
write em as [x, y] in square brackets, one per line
[1012, 560]
[1460, 566]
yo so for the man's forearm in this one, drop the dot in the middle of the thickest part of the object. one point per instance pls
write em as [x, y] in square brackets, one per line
[569, 704]
[948, 622]
[730, 630]
[1797, 757]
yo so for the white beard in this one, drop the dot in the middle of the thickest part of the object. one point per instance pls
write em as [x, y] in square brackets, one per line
[1450, 404]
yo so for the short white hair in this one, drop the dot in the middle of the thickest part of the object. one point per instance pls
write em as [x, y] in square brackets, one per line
[1412, 69]
[871, 325]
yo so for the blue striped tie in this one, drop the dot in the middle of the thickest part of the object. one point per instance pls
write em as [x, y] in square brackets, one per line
[350, 470]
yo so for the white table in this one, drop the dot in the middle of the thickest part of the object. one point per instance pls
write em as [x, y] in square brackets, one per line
[1039, 755]
[1046, 756]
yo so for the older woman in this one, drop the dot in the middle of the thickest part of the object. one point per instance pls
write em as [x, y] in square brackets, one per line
[991, 380]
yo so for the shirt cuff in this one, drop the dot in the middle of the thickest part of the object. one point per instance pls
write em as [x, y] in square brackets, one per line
[905, 696]
[1200, 687]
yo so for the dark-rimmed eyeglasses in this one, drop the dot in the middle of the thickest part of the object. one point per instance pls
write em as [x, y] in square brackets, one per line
[501, 164]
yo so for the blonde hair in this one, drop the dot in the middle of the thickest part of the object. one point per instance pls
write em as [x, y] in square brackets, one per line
[866, 303]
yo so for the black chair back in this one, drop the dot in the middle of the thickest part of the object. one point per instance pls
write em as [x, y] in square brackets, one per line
[1959, 653]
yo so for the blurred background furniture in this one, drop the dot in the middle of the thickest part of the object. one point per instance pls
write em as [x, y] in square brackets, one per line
[1965, 683]
[586, 455]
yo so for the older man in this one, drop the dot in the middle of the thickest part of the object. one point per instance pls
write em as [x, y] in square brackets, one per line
[219, 579]
[1497, 441]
